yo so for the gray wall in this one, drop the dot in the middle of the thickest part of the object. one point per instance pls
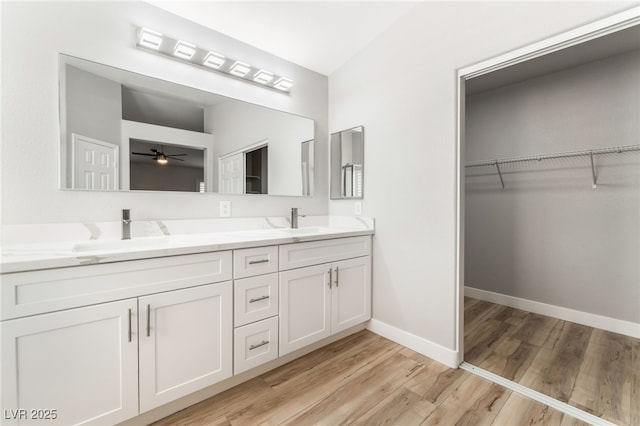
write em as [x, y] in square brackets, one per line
[94, 108]
[548, 236]
[170, 177]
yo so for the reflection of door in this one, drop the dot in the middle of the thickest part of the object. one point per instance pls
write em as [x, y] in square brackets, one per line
[231, 174]
[94, 163]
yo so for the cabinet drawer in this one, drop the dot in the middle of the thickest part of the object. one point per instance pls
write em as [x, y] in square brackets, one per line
[299, 255]
[36, 292]
[255, 261]
[255, 298]
[255, 344]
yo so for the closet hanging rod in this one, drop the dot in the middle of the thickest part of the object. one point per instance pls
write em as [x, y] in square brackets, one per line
[586, 152]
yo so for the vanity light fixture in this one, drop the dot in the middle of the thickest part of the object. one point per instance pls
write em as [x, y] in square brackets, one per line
[149, 39]
[240, 69]
[263, 77]
[283, 84]
[184, 50]
[187, 52]
[213, 60]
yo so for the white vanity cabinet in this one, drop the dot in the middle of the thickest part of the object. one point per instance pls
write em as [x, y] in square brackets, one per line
[185, 339]
[70, 367]
[106, 342]
[323, 299]
[102, 363]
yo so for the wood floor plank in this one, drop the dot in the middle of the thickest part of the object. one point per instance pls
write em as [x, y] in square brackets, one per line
[511, 365]
[600, 389]
[403, 407]
[594, 370]
[355, 398]
[519, 410]
[473, 401]
[299, 393]
[365, 380]
[436, 382]
[554, 372]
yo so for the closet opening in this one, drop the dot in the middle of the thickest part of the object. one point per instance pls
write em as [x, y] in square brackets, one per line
[549, 218]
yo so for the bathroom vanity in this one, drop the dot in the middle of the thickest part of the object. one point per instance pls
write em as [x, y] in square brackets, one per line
[116, 329]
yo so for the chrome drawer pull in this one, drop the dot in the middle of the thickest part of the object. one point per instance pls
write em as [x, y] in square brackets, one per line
[330, 277]
[129, 325]
[253, 262]
[264, 342]
[148, 320]
[258, 299]
[337, 276]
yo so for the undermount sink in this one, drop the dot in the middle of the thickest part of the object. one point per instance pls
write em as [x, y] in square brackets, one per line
[136, 243]
[309, 230]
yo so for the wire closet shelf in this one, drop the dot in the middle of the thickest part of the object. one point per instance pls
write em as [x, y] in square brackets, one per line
[584, 153]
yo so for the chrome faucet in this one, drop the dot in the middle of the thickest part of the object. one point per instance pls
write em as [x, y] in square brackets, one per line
[126, 224]
[294, 217]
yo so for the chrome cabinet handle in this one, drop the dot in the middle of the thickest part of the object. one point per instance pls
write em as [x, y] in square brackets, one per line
[129, 325]
[264, 342]
[258, 299]
[253, 262]
[330, 276]
[336, 276]
[148, 320]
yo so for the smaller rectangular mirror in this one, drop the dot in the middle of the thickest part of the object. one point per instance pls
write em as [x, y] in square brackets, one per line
[347, 163]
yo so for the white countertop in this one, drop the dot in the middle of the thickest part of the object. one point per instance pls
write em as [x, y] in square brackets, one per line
[26, 253]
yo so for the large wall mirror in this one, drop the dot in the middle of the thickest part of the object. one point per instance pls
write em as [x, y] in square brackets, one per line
[347, 163]
[125, 131]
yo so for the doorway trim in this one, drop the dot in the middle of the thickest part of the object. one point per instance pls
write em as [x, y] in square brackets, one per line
[591, 31]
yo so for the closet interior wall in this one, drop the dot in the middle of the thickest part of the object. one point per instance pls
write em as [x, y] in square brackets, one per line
[548, 236]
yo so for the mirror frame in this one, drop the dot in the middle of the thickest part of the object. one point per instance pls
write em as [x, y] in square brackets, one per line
[331, 165]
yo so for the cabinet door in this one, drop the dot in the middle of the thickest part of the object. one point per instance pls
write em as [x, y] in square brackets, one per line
[351, 293]
[305, 307]
[82, 363]
[185, 342]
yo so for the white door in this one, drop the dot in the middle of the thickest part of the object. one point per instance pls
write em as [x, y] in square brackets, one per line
[185, 342]
[82, 363]
[351, 293]
[231, 174]
[305, 307]
[94, 164]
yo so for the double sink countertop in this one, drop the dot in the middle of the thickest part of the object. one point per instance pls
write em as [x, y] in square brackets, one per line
[47, 246]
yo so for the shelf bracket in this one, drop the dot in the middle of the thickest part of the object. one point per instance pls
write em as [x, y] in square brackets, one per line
[593, 171]
[499, 173]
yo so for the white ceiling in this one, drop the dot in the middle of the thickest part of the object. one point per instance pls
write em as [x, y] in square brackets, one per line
[320, 36]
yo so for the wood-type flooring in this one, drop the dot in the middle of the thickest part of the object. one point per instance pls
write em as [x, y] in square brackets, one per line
[365, 379]
[591, 369]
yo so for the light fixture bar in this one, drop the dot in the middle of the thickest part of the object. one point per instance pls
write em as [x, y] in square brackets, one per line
[185, 51]
[263, 77]
[213, 60]
[240, 69]
[149, 38]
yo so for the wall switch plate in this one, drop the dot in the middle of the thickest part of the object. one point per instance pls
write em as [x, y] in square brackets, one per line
[225, 208]
[357, 208]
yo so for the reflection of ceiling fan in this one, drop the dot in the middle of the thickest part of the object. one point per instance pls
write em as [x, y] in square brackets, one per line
[160, 156]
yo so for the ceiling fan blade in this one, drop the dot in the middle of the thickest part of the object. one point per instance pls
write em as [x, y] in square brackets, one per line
[175, 155]
[177, 159]
[141, 153]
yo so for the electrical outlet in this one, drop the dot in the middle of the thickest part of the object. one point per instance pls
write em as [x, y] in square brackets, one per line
[357, 208]
[225, 208]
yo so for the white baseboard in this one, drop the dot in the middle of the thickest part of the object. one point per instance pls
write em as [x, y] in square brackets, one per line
[419, 344]
[614, 325]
